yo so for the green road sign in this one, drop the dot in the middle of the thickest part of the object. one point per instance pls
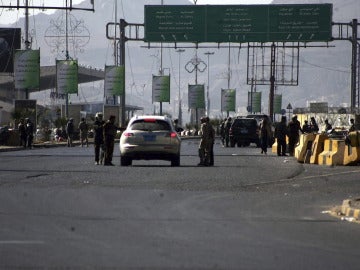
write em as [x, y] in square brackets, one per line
[238, 23]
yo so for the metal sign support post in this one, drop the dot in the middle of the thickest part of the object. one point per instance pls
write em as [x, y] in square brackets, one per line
[272, 82]
[123, 39]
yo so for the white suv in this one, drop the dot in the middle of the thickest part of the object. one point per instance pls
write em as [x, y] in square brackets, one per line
[150, 137]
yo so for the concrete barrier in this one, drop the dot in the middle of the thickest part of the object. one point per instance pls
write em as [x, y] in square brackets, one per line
[317, 147]
[333, 153]
[351, 155]
[305, 143]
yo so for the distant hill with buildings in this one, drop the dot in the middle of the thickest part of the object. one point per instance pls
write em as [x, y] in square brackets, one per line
[324, 74]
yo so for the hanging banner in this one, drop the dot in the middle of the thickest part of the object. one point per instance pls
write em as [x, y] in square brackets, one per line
[114, 80]
[67, 76]
[254, 102]
[27, 69]
[277, 103]
[161, 88]
[228, 100]
[196, 96]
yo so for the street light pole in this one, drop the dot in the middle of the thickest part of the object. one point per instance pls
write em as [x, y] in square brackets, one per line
[208, 84]
[180, 111]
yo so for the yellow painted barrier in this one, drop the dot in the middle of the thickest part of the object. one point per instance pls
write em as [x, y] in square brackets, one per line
[333, 153]
[317, 147]
[354, 138]
[351, 155]
[305, 143]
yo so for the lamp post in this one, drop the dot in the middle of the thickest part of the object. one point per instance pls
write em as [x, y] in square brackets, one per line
[208, 84]
[180, 111]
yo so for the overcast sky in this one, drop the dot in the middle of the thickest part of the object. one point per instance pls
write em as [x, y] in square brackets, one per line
[8, 17]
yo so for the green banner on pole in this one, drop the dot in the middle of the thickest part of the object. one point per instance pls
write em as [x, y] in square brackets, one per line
[161, 88]
[67, 76]
[228, 100]
[114, 80]
[196, 96]
[27, 69]
[277, 103]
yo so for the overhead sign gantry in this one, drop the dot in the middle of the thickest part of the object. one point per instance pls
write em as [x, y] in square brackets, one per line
[238, 23]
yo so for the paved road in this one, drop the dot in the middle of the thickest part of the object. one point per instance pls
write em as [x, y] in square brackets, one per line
[60, 211]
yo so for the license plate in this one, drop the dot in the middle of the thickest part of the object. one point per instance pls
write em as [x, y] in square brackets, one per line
[243, 130]
[149, 138]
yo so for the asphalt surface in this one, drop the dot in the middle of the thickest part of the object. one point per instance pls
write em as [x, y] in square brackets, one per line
[350, 208]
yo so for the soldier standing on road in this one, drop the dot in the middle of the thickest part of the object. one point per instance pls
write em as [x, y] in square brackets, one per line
[109, 140]
[22, 133]
[83, 127]
[29, 133]
[70, 132]
[265, 134]
[98, 138]
[204, 146]
[293, 132]
[280, 135]
[222, 132]
[228, 124]
[211, 142]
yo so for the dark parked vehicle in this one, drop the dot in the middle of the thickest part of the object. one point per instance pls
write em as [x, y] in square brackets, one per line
[244, 131]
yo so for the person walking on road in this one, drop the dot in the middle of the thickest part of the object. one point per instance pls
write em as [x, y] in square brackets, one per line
[265, 134]
[280, 135]
[70, 129]
[22, 133]
[109, 140]
[29, 133]
[98, 138]
[83, 127]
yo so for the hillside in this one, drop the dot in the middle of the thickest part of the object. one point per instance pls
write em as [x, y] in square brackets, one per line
[324, 72]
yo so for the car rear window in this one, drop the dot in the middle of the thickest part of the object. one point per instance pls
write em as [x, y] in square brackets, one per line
[153, 125]
[245, 123]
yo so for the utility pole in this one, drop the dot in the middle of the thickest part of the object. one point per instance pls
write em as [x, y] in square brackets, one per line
[180, 51]
[208, 84]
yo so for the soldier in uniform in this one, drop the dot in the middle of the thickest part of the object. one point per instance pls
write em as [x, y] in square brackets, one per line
[109, 140]
[22, 133]
[70, 129]
[280, 135]
[98, 138]
[293, 132]
[204, 146]
[211, 142]
[29, 132]
[83, 127]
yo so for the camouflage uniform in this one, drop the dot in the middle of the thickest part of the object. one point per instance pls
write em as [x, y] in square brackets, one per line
[205, 142]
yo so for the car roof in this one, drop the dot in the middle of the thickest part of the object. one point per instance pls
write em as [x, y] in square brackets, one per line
[156, 117]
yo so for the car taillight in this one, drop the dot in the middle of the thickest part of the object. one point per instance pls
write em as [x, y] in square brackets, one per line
[128, 134]
[173, 134]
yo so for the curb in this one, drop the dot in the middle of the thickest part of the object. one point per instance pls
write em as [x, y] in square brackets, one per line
[349, 208]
